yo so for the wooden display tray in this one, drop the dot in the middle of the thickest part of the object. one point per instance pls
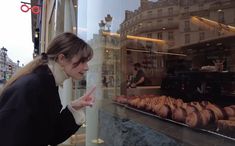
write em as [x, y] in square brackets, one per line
[214, 132]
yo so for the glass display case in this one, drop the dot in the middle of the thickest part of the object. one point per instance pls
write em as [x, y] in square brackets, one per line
[186, 52]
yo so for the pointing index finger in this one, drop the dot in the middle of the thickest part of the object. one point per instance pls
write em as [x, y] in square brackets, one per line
[91, 91]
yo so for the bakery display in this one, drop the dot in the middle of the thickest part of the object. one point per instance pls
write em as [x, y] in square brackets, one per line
[195, 114]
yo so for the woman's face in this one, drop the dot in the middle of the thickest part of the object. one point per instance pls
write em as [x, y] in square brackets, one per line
[74, 69]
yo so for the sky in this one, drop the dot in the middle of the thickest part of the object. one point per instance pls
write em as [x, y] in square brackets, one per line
[93, 11]
[15, 31]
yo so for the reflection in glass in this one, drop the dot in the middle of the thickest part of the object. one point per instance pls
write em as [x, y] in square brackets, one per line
[186, 51]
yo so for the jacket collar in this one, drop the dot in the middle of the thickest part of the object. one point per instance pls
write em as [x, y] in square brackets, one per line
[57, 72]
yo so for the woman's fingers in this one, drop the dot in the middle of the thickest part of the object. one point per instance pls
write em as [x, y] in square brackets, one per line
[88, 98]
[90, 92]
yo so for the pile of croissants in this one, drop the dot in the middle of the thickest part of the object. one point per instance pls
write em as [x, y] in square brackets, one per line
[194, 114]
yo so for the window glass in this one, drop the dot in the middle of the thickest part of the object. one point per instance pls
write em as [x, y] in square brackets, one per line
[175, 69]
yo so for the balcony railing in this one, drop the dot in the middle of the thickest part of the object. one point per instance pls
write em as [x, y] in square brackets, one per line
[154, 27]
[135, 21]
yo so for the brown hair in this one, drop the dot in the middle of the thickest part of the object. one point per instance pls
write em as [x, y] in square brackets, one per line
[67, 44]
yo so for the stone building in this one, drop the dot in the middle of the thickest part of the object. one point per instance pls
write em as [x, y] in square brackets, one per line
[173, 21]
[7, 66]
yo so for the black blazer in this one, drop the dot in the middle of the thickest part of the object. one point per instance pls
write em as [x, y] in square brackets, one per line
[31, 112]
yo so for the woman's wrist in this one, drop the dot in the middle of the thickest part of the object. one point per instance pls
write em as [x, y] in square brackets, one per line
[75, 105]
[78, 115]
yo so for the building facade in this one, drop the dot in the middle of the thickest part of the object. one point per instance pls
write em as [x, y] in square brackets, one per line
[7, 66]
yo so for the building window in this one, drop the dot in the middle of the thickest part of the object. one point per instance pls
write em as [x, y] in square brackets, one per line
[149, 23]
[149, 35]
[187, 38]
[201, 36]
[170, 21]
[159, 13]
[170, 11]
[185, 2]
[150, 12]
[200, 6]
[170, 36]
[159, 35]
[149, 44]
[159, 22]
[186, 9]
[200, 28]
[221, 17]
[186, 26]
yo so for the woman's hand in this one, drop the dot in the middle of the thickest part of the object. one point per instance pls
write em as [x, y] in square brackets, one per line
[133, 85]
[86, 100]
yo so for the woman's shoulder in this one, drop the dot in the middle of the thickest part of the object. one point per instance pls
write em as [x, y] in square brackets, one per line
[40, 77]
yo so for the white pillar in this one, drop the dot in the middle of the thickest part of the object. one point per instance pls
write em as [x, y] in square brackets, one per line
[94, 79]
[67, 90]
[43, 27]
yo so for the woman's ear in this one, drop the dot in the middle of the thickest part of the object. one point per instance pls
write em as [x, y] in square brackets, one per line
[61, 60]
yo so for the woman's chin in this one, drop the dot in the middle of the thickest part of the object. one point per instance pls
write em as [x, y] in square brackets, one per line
[79, 77]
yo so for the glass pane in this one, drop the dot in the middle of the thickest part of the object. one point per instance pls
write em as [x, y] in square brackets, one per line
[161, 68]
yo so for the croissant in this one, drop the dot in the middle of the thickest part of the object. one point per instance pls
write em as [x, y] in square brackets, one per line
[179, 114]
[197, 105]
[190, 109]
[141, 103]
[194, 119]
[230, 111]
[179, 102]
[226, 125]
[164, 111]
[208, 116]
[156, 108]
[219, 113]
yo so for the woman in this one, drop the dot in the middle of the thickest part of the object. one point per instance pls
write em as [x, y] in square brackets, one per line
[30, 108]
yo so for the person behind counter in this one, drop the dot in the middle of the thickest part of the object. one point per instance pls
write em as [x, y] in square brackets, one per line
[139, 78]
[30, 108]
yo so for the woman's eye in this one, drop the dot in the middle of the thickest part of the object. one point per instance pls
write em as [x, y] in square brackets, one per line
[75, 64]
